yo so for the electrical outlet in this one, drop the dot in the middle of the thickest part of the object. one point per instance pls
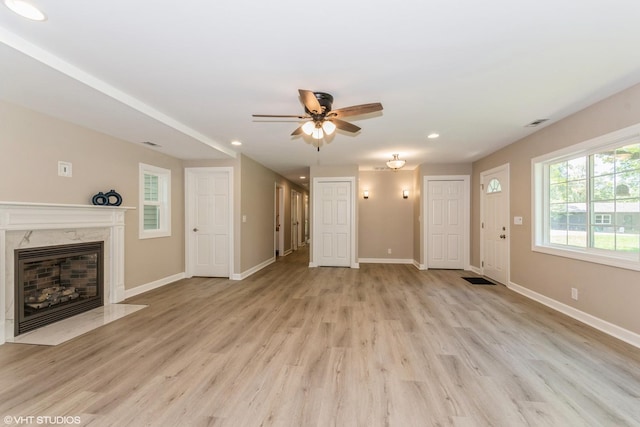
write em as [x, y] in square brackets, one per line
[574, 294]
[389, 251]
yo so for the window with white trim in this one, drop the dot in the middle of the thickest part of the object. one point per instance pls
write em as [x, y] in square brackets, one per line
[587, 200]
[155, 202]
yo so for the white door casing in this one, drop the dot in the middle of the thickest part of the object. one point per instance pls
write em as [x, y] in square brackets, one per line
[294, 219]
[333, 222]
[279, 216]
[494, 223]
[208, 209]
[447, 219]
[299, 221]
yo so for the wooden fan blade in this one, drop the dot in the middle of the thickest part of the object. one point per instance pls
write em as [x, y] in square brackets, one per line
[298, 131]
[281, 116]
[355, 110]
[346, 126]
[310, 101]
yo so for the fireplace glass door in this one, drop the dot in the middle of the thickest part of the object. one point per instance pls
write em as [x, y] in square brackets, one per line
[56, 282]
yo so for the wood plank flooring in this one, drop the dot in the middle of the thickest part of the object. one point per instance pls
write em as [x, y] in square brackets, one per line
[385, 345]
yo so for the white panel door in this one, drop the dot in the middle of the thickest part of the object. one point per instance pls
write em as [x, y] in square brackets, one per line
[446, 224]
[208, 223]
[495, 224]
[333, 224]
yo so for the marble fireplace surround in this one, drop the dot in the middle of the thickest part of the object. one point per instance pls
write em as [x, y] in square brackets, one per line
[27, 225]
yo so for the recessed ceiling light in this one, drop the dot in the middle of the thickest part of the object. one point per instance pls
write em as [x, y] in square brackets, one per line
[433, 135]
[26, 10]
[303, 177]
[236, 143]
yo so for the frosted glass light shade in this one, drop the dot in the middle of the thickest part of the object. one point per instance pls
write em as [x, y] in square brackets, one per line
[395, 163]
[308, 127]
[328, 127]
[317, 133]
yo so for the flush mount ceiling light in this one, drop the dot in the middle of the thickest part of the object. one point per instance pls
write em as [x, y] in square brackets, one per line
[433, 135]
[395, 163]
[26, 10]
[236, 143]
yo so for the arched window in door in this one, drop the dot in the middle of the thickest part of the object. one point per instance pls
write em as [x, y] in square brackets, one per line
[494, 186]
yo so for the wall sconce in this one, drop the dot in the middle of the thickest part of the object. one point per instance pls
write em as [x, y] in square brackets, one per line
[365, 194]
[405, 194]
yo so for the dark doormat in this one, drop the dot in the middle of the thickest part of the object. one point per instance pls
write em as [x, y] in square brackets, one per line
[478, 281]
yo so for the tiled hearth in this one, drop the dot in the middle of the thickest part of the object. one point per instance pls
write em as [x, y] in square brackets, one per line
[66, 329]
[27, 225]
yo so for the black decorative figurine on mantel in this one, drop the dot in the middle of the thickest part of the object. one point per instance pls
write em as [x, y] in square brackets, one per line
[111, 198]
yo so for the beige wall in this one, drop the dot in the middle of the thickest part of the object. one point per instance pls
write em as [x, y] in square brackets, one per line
[31, 145]
[385, 219]
[257, 186]
[258, 207]
[608, 293]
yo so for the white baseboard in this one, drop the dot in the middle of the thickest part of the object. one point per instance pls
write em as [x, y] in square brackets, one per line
[128, 293]
[287, 252]
[475, 269]
[253, 270]
[417, 265]
[601, 325]
[385, 261]
[3, 332]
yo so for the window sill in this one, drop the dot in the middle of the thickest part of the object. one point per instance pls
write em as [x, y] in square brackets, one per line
[630, 263]
[154, 234]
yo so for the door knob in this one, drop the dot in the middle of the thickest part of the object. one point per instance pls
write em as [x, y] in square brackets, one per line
[195, 229]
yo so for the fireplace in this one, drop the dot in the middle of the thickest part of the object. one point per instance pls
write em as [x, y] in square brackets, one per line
[56, 282]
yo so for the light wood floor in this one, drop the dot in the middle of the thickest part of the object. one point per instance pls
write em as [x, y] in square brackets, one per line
[293, 346]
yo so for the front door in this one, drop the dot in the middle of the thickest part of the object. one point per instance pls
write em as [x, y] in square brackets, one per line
[208, 222]
[494, 227]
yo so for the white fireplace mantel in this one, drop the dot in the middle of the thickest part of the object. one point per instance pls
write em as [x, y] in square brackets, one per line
[58, 224]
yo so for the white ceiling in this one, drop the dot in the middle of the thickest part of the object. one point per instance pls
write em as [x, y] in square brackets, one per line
[189, 75]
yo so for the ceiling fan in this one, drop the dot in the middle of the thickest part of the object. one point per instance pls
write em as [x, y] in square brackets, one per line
[321, 119]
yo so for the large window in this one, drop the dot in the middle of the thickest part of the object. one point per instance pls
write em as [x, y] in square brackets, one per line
[155, 202]
[587, 200]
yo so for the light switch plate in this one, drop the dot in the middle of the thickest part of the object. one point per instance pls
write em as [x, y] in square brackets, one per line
[64, 169]
[517, 220]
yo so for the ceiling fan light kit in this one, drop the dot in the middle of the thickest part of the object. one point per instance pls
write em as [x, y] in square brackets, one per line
[321, 119]
[328, 127]
[308, 127]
